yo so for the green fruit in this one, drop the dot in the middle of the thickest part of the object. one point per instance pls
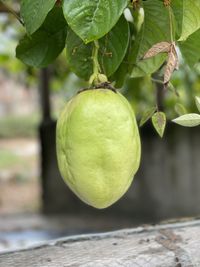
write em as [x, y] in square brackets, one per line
[98, 146]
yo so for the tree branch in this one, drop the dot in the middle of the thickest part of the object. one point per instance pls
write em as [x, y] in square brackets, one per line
[4, 8]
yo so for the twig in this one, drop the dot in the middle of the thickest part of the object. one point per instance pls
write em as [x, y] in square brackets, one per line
[12, 11]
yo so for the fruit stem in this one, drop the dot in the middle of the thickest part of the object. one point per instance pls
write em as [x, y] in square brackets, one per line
[171, 24]
[96, 66]
[96, 77]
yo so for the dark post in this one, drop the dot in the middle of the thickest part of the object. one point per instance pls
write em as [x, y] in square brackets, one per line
[160, 92]
[45, 94]
[56, 197]
[160, 96]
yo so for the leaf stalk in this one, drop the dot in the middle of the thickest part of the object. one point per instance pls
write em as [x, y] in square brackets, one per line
[97, 77]
[171, 25]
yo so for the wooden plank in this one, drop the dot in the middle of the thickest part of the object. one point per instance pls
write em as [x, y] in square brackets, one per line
[166, 245]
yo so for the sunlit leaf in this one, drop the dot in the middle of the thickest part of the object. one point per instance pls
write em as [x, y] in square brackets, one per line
[90, 19]
[187, 14]
[188, 120]
[155, 29]
[190, 49]
[197, 101]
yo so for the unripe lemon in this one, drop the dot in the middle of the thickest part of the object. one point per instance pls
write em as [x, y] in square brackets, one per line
[98, 146]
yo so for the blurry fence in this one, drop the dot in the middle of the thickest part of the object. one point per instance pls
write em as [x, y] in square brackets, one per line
[167, 184]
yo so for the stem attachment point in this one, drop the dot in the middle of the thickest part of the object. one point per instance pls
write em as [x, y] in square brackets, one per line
[97, 77]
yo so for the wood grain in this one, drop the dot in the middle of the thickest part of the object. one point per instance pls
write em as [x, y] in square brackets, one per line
[166, 245]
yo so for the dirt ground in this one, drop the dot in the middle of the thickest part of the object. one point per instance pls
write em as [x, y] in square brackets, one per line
[19, 176]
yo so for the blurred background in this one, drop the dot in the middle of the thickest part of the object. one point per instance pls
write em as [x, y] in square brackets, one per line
[35, 204]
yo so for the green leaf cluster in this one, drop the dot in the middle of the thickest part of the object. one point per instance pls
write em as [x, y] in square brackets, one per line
[52, 26]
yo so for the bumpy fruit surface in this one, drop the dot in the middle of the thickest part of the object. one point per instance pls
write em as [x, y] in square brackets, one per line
[98, 146]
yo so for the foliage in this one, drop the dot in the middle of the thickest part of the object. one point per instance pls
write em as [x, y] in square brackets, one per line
[191, 119]
[147, 115]
[46, 43]
[98, 39]
[8, 159]
[159, 122]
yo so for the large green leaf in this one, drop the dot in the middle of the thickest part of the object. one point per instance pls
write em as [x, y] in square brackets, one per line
[155, 29]
[187, 14]
[190, 49]
[113, 47]
[34, 13]
[177, 7]
[45, 44]
[92, 19]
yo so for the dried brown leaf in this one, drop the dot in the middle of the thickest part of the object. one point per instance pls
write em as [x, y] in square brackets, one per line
[167, 2]
[176, 57]
[170, 67]
[136, 3]
[172, 64]
[162, 47]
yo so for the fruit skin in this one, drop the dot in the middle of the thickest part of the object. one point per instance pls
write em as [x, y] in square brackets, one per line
[98, 146]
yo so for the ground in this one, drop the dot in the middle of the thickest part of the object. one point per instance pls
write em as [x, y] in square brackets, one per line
[19, 175]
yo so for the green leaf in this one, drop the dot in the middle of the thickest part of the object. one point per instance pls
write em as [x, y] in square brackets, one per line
[159, 122]
[34, 13]
[120, 75]
[155, 29]
[177, 7]
[147, 115]
[180, 109]
[190, 49]
[197, 101]
[187, 14]
[113, 47]
[45, 44]
[92, 19]
[188, 120]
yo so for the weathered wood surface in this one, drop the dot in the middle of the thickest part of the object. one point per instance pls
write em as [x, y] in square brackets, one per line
[166, 245]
